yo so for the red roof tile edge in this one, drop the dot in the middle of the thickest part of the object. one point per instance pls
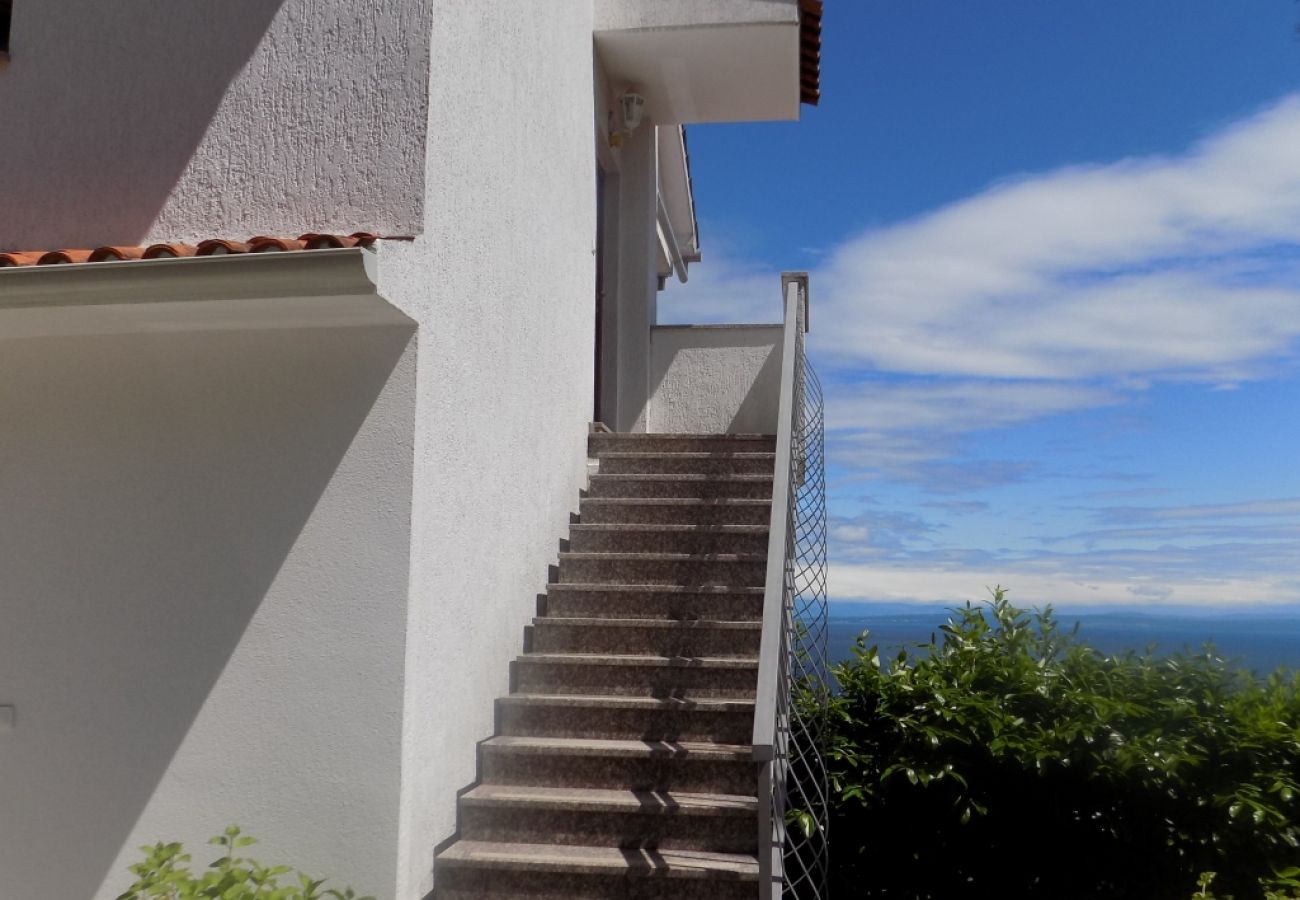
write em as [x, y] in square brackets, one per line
[212, 247]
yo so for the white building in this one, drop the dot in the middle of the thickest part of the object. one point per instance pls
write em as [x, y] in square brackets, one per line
[272, 524]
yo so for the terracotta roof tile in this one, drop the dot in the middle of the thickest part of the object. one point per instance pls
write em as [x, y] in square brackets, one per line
[169, 251]
[810, 51]
[61, 257]
[211, 247]
[104, 254]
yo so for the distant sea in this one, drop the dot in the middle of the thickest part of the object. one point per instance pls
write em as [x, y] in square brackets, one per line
[1253, 639]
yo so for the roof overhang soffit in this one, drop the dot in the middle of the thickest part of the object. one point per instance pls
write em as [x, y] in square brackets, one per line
[733, 61]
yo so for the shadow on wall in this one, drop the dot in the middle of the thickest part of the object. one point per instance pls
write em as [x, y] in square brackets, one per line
[151, 489]
[104, 105]
[756, 413]
[715, 379]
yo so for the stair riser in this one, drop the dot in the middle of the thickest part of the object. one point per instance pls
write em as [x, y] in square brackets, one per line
[660, 571]
[522, 825]
[692, 641]
[629, 724]
[635, 681]
[685, 514]
[477, 884]
[597, 444]
[558, 769]
[649, 605]
[581, 541]
[687, 465]
[630, 486]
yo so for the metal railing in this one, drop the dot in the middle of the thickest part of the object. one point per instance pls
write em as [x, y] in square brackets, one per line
[792, 674]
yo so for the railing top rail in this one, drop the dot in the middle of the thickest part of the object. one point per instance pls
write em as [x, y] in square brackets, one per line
[795, 290]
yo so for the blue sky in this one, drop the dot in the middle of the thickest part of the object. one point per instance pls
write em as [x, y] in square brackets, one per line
[1055, 257]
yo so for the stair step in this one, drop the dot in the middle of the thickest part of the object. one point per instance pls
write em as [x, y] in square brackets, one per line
[659, 637]
[509, 871]
[621, 749]
[583, 816]
[680, 443]
[638, 676]
[677, 510]
[726, 719]
[654, 803]
[756, 487]
[670, 602]
[674, 538]
[740, 569]
[691, 766]
[717, 462]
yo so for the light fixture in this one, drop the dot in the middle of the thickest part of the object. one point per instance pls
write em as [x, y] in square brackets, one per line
[632, 109]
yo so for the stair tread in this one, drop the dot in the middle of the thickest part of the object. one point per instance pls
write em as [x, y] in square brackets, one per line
[675, 624]
[596, 586]
[684, 435]
[686, 454]
[615, 701]
[601, 860]
[681, 476]
[678, 501]
[605, 800]
[621, 747]
[668, 528]
[667, 556]
[631, 659]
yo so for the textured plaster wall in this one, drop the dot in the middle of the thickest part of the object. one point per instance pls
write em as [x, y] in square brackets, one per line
[204, 543]
[711, 379]
[502, 285]
[157, 119]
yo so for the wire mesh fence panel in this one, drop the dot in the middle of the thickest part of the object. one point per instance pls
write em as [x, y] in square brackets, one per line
[806, 687]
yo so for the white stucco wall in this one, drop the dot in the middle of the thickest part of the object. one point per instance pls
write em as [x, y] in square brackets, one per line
[502, 285]
[714, 379]
[204, 543]
[156, 120]
[611, 15]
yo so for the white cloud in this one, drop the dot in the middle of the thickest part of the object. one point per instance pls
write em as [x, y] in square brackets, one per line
[950, 407]
[1182, 266]
[1063, 586]
[1281, 507]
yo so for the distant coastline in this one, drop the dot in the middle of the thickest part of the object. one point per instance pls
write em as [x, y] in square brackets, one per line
[1255, 638]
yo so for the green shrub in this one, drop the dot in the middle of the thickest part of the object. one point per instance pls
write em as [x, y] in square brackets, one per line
[1006, 759]
[165, 873]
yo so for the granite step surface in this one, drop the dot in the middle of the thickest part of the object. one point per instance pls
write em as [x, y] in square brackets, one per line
[667, 538]
[698, 463]
[690, 766]
[693, 569]
[680, 443]
[721, 719]
[635, 676]
[662, 601]
[511, 871]
[677, 510]
[621, 818]
[659, 637]
[753, 487]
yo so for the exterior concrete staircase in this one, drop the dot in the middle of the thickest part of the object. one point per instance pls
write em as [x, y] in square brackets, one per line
[621, 767]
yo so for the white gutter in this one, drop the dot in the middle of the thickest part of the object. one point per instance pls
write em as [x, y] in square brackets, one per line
[668, 239]
[329, 287]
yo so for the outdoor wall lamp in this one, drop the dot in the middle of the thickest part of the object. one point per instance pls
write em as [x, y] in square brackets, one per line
[632, 109]
[630, 112]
